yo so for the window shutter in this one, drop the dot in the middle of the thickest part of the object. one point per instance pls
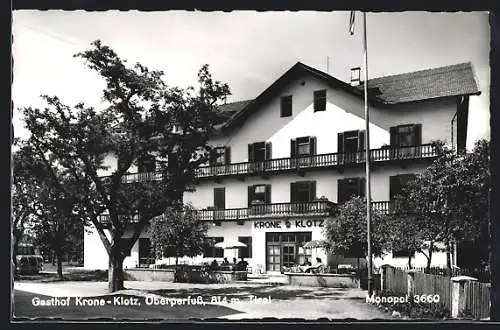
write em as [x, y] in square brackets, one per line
[361, 187]
[394, 136]
[293, 148]
[251, 190]
[312, 190]
[268, 194]
[340, 142]
[417, 130]
[268, 151]
[220, 198]
[312, 145]
[361, 140]
[227, 155]
[293, 192]
[340, 191]
[212, 157]
[393, 186]
[250, 153]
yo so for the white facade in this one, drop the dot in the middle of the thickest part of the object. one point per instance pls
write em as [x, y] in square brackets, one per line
[344, 112]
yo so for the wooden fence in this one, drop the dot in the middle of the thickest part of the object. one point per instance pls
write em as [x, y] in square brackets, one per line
[434, 284]
[396, 280]
[476, 295]
[477, 300]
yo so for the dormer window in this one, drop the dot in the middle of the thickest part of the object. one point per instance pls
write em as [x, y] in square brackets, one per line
[320, 100]
[286, 106]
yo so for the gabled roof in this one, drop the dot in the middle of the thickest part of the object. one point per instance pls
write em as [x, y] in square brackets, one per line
[445, 81]
[452, 80]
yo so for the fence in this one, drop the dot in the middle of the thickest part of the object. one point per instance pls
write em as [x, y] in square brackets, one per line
[482, 275]
[395, 280]
[434, 284]
[460, 295]
[477, 299]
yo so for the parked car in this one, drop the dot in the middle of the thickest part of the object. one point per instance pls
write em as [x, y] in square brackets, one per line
[29, 264]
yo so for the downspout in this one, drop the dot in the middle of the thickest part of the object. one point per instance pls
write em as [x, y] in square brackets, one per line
[452, 128]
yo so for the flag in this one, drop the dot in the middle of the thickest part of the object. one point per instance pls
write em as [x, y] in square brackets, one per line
[351, 22]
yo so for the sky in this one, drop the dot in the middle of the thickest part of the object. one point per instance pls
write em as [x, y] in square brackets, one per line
[246, 49]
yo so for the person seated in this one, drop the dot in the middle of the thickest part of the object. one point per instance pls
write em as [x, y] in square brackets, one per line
[235, 261]
[214, 265]
[306, 262]
[242, 265]
[225, 262]
[318, 266]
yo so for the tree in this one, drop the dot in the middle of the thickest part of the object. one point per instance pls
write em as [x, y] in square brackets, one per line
[54, 217]
[143, 118]
[447, 202]
[178, 233]
[346, 231]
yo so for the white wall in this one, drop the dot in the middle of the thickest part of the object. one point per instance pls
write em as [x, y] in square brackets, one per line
[344, 112]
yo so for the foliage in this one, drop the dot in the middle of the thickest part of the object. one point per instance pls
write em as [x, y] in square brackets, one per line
[445, 203]
[142, 117]
[346, 231]
[178, 233]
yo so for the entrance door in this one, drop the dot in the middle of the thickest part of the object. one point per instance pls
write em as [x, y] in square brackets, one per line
[288, 255]
[274, 258]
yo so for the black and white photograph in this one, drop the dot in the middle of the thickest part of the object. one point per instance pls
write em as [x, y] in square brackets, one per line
[245, 165]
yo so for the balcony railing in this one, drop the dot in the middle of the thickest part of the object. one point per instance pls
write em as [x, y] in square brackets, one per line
[274, 210]
[298, 163]
[318, 161]
[314, 208]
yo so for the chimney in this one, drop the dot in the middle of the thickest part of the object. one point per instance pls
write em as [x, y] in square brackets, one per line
[355, 76]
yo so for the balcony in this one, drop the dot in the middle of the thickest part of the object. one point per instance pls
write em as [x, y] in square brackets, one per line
[275, 210]
[324, 161]
[332, 160]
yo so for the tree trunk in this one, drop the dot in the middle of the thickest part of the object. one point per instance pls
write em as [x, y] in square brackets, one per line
[409, 261]
[115, 272]
[429, 259]
[17, 238]
[448, 257]
[53, 258]
[358, 272]
[59, 264]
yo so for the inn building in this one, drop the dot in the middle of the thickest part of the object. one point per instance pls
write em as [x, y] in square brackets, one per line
[284, 160]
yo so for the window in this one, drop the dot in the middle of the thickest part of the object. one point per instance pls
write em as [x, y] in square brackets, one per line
[219, 156]
[259, 151]
[146, 163]
[220, 198]
[286, 106]
[303, 146]
[406, 135]
[349, 188]
[245, 252]
[351, 141]
[259, 194]
[210, 250]
[302, 191]
[397, 184]
[320, 100]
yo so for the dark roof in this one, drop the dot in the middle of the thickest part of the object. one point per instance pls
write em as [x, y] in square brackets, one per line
[232, 108]
[452, 80]
[445, 81]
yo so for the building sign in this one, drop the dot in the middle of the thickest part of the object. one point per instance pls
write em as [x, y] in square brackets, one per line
[278, 224]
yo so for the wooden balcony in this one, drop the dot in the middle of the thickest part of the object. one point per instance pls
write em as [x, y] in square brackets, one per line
[275, 210]
[273, 166]
[332, 160]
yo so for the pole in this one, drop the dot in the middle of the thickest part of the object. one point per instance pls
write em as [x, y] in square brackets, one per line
[367, 158]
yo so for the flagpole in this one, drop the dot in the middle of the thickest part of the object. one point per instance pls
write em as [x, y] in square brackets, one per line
[367, 158]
